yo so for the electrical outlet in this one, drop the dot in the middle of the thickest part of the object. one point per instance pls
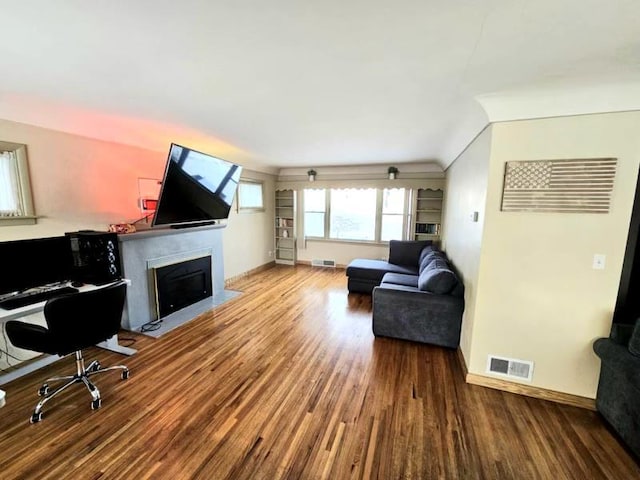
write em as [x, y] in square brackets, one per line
[270, 253]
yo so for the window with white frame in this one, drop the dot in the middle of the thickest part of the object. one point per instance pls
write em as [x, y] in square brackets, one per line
[315, 207]
[16, 206]
[393, 213]
[365, 214]
[353, 214]
[250, 196]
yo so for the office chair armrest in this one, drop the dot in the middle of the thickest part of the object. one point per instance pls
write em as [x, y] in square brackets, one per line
[29, 336]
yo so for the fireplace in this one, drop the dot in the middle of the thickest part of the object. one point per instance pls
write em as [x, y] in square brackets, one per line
[145, 251]
[181, 284]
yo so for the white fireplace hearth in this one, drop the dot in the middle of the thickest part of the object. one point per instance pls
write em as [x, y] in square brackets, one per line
[144, 252]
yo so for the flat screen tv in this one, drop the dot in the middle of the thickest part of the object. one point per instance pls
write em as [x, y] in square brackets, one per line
[196, 189]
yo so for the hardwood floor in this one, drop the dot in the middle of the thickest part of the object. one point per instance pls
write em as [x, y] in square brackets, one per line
[287, 381]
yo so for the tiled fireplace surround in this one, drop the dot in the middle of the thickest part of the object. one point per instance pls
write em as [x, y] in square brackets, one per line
[143, 251]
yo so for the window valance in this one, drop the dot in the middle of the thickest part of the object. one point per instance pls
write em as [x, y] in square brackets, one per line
[427, 183]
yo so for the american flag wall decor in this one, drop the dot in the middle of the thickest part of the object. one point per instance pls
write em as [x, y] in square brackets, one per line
[567, 186]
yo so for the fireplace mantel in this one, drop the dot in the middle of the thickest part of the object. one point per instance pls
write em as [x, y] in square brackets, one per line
[142, 251]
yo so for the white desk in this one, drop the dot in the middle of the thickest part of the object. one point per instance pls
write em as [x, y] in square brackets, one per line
[15, 314]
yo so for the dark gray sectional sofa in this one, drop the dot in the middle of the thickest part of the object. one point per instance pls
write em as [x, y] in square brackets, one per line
[619, 385]
[416, 294]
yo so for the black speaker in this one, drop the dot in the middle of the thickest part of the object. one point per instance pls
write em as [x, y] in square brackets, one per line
[96, 257]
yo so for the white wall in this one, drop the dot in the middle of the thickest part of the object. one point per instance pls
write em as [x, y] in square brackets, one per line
[249, 237]
[77, 182]
[341, 252]
[537, 296]
[465, 193]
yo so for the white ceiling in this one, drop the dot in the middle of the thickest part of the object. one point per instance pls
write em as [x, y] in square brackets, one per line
[287, 83]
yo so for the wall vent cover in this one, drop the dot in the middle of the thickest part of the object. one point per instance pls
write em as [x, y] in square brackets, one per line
[510, 367]
[323, 263]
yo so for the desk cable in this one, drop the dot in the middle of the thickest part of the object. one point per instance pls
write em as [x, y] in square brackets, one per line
[151, 326]
[7, 354]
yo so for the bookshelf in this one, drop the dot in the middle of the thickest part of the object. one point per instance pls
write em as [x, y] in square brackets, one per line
[285, 227]
[427, 214]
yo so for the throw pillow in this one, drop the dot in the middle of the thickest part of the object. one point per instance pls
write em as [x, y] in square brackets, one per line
[438, 278]
[429, 258]
[424, 252]
[634, 341]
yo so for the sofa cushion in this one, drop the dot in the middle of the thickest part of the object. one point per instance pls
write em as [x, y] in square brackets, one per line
[429, 257]
[403, 288]
[400, 279]
[424, 252]
[458, 290]
[364, 268]
[406, 252]
[437, 278]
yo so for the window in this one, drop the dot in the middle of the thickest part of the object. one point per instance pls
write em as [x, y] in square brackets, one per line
[393, 201]
[16, 206]
[314, 213]
[250, 196]
[353, 214]
[369, 214]
[9, 186]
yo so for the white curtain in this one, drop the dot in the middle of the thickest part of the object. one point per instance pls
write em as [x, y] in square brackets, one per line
[10, 205]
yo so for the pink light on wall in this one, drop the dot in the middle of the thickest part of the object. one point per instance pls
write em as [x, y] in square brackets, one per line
[115, 127]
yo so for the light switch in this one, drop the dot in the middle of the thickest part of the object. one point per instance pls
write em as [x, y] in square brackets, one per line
[473, 216]
[599, 261]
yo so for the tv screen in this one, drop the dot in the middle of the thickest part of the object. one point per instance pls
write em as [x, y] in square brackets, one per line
[196, 188]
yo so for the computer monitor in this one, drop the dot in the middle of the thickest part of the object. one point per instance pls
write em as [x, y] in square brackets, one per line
[34, 262]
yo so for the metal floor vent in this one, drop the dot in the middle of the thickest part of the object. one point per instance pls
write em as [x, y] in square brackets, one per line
[510, 367]
[323, 263]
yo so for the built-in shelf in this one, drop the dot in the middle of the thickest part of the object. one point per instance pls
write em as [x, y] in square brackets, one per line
[427, 215]
[285, 227]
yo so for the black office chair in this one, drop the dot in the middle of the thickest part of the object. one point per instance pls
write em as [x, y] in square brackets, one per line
[75, 321]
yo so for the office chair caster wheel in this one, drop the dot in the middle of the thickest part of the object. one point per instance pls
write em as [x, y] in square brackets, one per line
[96, 366]
[124, 375]
[43, 391]
[96, 404]
[36, 417]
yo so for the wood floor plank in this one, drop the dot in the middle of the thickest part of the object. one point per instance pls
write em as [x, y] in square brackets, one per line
[288, 382]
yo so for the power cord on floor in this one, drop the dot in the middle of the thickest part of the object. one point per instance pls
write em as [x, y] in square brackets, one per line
[151, 326]
[130, 341]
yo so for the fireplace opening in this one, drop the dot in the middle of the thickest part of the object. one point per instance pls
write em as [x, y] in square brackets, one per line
[182, 284]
